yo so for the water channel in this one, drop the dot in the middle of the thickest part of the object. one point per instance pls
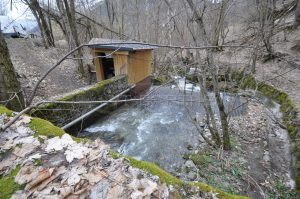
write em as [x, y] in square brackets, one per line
[159, 129]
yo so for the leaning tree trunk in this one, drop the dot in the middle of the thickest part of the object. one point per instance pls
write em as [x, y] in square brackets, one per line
[10, 89]
[297, 15]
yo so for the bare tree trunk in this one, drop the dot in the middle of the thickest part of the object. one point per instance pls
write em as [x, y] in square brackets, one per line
[213, 72]
[40, 25]
[174, 21]
[10, 89]
[210, 119]
[110, 14]
[219, 25]
[122, 20]
[156, 30]
[74, 39]
[137, 14]
[64, 21]
[42, 22]
[297, 15]
[266, 23]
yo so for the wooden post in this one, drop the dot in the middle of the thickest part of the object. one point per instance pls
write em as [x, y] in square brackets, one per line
[98, 66]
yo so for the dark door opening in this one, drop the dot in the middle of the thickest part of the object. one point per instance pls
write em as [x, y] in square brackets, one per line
[108, 66]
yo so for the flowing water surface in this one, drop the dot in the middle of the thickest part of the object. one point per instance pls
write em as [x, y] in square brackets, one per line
[161, 128]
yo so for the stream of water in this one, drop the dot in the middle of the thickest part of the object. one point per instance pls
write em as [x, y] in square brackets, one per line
[160, 129]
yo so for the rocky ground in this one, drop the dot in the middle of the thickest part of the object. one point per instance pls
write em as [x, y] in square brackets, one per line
[63, 168]
[31, 60]
[258, 165]
[38, 166]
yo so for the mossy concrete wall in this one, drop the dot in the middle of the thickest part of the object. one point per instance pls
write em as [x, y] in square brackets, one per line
[62, 114]
[290, 117]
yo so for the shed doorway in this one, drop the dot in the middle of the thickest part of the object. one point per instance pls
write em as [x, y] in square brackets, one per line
[108, 67]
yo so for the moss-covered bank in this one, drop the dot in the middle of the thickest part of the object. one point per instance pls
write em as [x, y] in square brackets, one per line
[8, 186]
[167, 178]
[62, 114]
[6, 111]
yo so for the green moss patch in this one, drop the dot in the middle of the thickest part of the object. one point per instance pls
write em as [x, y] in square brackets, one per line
[200, 160]
[46, 128]
[220, 194]
[162, 79]
[6, 111]
[154, 170]
[8, 186]
[169, 179]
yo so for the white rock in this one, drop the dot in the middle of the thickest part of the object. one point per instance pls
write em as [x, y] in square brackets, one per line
[35, 157]
[67, 140]
[136, 195]
[9, 144]
[73, 179]
[22, 131]
[149, 186]
[27, 140]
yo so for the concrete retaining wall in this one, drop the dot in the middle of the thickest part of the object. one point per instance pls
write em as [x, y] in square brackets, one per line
[62, 114]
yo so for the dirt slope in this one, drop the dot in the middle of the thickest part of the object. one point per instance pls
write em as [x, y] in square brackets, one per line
[31, 61]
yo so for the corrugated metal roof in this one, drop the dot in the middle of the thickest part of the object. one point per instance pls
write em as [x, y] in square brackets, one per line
[119, 44]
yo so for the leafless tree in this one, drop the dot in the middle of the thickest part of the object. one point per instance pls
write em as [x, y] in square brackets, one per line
[265, 11]
[210, 68]
[297, 15]
[219, 25]
[41, 19]
[67, 10]
[10, 90]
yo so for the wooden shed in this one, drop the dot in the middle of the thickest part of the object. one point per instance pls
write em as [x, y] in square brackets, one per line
[115, 57]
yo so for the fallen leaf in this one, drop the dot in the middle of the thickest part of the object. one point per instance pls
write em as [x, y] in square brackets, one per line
[24, 150]
[26, 174]
[42, 175]
[56, 173]
[76, 151]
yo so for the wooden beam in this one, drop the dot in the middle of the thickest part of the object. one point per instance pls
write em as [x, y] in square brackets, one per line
[98, 66]
[110, 51]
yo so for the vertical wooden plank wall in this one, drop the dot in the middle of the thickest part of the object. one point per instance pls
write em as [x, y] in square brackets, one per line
[120, 64]
[140, 65]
